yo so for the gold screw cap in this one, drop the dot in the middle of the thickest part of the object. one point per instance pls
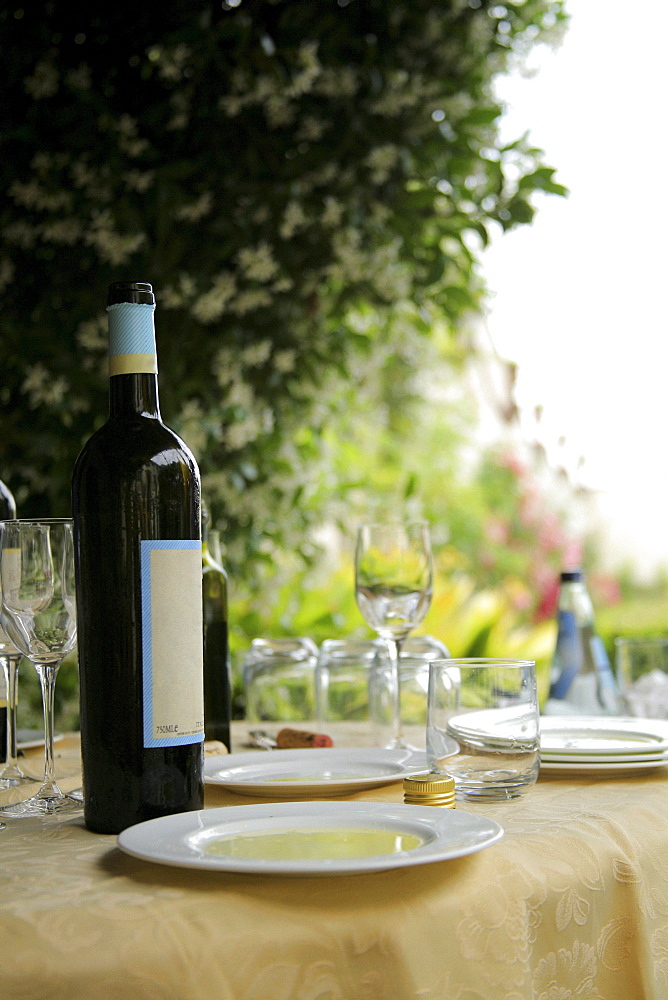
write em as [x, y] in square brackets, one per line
[429, 789]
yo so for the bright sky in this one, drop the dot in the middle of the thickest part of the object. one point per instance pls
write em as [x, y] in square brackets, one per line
[579, 296]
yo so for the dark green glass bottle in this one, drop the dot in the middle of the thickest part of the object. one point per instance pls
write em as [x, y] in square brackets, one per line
[7, 511]
[7, 504]
[217, 684]
[136, 507]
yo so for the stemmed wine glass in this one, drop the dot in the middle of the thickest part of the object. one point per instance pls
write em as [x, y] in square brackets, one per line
[393, 586]
[11, 774]
[39, 614]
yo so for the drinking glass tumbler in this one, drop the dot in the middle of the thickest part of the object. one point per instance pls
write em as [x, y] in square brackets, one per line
[279, 680]
[483, 725]
[342, 677]
[641, 665]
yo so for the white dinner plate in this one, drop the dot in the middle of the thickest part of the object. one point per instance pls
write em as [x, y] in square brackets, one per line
[317, 771]
[603, 736]
[30, 739]
[310, 838]
[563, 758]
[610, 767]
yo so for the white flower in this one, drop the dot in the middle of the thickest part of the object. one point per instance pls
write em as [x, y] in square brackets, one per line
[311, 129]
[92, 334]
[79, 78]
[138, 180]
[21, 233]
[226, 367]
[6, 272]
[294, 219]
[196, 210]
[257, 263]
[173, 297]
[240, 394]
[42, 388]
[193, 427]
[210, 306]
[381, 161]
[44, 81]
[340, 82]
[240, 434]
[110, 244]
[284, 361]
[32, 195]
[279, 111]
[66, 231]
[256, 354]
[303, 81]
[245, 302]
[332, 212]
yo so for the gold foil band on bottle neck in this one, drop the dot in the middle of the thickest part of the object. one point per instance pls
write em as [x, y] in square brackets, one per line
[133, 364]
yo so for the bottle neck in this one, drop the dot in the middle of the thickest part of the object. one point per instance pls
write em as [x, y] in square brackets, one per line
[133, 365]
[134, 394]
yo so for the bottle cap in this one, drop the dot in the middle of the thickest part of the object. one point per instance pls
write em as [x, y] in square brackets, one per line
[429, 789]
[568, 576]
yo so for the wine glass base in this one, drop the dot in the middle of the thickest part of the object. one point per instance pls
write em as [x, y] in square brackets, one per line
[15, 777]
[55, 805]
[400, 744]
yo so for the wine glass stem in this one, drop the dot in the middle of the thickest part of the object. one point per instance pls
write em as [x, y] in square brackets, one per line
[47, 677]
[394, 651]
[10, 665]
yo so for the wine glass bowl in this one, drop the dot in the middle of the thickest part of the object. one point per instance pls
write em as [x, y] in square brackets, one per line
[39, 614]
[393, 588]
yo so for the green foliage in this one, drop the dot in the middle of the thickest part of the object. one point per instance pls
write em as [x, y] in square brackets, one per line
[469, 620]
[306, 184]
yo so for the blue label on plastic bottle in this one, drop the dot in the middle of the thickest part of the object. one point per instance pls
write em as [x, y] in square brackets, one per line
[568, 654]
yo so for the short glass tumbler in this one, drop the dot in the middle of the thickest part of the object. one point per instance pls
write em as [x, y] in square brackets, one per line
[342, 679]
[483, 725]
[642, 676]
[279, 680]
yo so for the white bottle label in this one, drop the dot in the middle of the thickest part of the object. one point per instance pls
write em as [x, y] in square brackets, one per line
[171, 574]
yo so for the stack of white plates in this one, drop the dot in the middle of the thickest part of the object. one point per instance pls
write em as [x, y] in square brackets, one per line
[602, 744]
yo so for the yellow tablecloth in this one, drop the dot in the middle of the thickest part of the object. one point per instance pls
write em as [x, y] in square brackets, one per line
[572, 903]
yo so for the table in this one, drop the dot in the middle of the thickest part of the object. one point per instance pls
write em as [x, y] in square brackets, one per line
[573, 902]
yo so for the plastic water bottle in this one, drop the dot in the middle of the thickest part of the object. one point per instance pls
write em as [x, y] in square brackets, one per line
[582, 681]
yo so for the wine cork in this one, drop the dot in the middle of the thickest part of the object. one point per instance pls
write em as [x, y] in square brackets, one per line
[292, 738]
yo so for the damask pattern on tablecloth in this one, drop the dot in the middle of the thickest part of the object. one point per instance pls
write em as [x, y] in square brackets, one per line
[571, 905]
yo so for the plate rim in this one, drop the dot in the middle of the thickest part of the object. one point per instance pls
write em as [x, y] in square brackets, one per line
[607, 767]
[255, 759]
[410, 818]
[33, 744]
[625, 725]
[593, 758]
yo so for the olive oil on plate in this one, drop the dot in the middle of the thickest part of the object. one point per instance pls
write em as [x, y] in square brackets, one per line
[315, 844]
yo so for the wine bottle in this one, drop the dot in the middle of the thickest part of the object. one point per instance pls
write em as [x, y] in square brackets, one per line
[7, 511]
[217, 685]
[3, 718]
[581, 681]
[138, 560]
[7, 504]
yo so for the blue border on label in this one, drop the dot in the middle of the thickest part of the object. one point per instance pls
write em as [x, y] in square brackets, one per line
[146, 547]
